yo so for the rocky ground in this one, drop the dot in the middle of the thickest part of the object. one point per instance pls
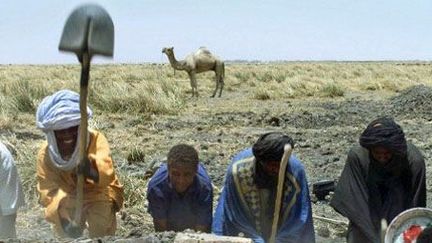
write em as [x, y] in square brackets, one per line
[323, 128]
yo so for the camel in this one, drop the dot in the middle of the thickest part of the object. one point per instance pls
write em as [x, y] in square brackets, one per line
[200, 61]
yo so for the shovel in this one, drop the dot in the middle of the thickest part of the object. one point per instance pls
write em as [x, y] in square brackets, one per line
[280, 185]
[88, 31]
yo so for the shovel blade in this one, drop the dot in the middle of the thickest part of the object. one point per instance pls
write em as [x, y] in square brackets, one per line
[89, 28]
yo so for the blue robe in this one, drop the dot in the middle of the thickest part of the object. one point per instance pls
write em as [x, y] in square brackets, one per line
[239, 210]
[185, 211]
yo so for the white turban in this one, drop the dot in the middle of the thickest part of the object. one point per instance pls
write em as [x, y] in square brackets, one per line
[56, 112]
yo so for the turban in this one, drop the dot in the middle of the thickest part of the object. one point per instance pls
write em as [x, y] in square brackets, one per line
[384, 132]
[57, 112]
[269, 147]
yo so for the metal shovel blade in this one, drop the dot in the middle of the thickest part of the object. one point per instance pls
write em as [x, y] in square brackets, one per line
[90, 29]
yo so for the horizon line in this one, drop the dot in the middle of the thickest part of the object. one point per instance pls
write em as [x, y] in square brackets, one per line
[234, 61]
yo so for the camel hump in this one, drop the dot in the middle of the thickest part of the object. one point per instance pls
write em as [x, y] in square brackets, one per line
[204, 50]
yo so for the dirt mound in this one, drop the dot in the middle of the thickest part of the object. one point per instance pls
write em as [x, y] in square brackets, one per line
[319, 115]
[416, 100]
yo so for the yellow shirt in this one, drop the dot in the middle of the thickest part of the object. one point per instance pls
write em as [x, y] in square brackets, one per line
[55, 185]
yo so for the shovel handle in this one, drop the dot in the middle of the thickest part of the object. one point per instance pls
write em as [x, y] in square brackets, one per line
[281, 179]
[85, 70]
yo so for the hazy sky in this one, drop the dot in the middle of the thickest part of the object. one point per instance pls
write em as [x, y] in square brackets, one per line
[233, 29]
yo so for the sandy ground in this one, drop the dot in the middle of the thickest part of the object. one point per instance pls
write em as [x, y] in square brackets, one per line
[324, 129]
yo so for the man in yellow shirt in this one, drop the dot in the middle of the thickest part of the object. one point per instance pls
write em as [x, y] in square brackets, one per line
[58, 116]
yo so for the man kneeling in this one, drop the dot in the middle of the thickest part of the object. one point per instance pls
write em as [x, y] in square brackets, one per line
[180, 194]
[247, 202]
[58, 116]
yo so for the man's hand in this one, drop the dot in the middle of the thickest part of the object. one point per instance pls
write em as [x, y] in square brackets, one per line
[71, 229]
[89, 171]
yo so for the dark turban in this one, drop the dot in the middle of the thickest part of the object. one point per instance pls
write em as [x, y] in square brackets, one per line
[384, 132]
[269, 147]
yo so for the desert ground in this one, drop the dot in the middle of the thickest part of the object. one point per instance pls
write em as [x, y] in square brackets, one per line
[144, 109]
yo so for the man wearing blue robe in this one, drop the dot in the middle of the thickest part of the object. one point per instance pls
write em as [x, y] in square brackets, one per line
[246, 205]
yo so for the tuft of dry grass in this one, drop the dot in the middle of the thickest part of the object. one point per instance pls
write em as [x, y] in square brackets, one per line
[136, 155]
[332, 90]
[154, 97]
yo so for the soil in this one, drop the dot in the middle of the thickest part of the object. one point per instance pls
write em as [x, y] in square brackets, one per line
[324, 129]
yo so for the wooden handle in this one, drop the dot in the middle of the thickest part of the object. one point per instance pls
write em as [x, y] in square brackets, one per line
[82, 138]
[280, 185]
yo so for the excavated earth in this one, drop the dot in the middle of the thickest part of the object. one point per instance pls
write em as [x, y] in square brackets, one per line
[324, 129]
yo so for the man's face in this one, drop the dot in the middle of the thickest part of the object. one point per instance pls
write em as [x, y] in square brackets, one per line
[181, 176]
[381, 154]
[66, 141]
[272, 168]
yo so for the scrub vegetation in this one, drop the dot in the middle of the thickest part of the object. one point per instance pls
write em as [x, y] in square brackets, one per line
[145, 109]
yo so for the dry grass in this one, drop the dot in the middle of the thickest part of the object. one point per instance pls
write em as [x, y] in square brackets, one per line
[155, 88]
[326, 79]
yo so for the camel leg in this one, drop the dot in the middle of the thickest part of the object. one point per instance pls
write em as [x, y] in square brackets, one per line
[195, 84]
[192, 77]
[192, 82]
[217, 85]
[221, 78]
[221, 82]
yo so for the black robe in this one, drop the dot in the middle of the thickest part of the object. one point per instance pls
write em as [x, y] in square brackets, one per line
[368, 191]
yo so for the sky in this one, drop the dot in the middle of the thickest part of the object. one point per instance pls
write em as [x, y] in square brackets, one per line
[264, 30]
